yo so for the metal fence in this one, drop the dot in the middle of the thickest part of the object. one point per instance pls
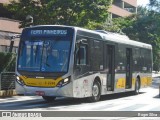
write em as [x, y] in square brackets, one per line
[7, 81]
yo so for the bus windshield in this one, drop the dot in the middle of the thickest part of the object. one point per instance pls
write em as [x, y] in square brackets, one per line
[44, 54]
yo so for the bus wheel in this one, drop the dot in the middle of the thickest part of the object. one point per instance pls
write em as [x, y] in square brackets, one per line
[96, 92]
[137, 86]
[49, 98]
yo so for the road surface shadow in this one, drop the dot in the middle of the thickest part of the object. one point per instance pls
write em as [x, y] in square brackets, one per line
[118, 95]
[62, 102]
[157, 96]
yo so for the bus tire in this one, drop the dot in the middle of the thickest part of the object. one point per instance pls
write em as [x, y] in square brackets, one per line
[137, 86]
[96, 92]
[49, 98]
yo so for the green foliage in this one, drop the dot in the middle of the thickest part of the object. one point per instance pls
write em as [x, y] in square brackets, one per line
[82, 13]
[11, 64]
[7, 62]
[154, 5]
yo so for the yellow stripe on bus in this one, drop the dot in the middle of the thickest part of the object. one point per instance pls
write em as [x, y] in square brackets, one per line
[40, 82]
[145, 81]
[121, 83]
[133, 82]
[149, 80]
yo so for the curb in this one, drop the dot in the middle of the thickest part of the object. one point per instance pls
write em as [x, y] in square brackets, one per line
[7, 93]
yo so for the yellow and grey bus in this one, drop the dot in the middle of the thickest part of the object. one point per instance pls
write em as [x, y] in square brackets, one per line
[57, 60]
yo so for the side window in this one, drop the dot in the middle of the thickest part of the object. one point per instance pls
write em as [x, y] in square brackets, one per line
[81, 55]
[97, 62]
[81, 51]
[121, 63]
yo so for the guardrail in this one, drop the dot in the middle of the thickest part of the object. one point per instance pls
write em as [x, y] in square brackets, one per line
[7, 84]
[7, 81]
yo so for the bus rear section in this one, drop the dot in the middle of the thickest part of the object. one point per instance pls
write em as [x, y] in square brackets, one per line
[43, 63]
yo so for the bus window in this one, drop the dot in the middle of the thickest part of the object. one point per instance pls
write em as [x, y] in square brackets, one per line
[46, 55]
[81, 55]
[97, 62]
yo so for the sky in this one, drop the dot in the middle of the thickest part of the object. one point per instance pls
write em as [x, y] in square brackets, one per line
[142, 2]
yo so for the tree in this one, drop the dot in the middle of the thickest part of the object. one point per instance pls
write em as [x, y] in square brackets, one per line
[81, 13]
[154, 5]
[7, 62]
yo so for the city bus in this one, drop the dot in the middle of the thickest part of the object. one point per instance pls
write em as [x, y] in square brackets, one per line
[67, 61]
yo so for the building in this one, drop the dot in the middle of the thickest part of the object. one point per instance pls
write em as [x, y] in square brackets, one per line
[122, 8]
[8, 28]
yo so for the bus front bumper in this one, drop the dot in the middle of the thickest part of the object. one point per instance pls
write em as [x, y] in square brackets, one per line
[40, 91]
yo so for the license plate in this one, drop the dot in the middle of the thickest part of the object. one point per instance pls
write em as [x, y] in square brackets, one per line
[40, 93]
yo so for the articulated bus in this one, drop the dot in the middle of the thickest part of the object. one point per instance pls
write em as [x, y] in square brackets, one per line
[66, 61]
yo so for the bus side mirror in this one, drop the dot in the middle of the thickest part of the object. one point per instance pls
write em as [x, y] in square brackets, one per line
[81, 41]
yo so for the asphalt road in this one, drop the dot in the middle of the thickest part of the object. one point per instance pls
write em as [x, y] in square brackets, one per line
[147, 100]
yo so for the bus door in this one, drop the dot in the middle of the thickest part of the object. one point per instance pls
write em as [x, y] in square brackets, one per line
[128, 68]
[110, 59]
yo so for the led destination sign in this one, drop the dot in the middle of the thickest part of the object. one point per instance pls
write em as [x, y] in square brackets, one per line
[48, 32]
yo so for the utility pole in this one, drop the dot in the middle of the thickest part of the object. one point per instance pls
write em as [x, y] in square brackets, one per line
[12, 42]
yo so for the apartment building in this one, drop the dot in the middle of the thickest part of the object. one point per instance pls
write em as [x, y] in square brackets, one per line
[8, 27]
[123, 8]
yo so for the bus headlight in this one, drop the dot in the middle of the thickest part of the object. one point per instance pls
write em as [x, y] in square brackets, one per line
[63, 82]
[19, 80]
[66, 80]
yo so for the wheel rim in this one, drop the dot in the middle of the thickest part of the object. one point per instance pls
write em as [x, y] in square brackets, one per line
[95, 90]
